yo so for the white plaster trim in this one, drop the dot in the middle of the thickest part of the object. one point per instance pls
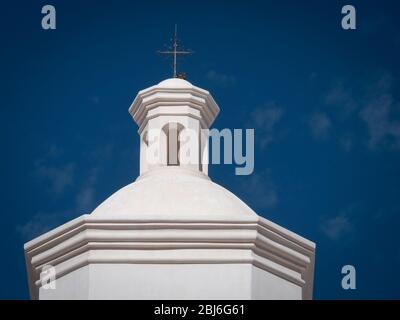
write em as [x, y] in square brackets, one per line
[155, 96]
[86, 240]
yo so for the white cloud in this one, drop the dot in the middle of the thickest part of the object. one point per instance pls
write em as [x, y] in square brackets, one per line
[58, 178]
[220, 79]
[265, 120]
[319, 124]
[378, 110]
[260, 189]
[342, 105]
[40, 223]
[342, 225]
[336, 227]
[86, 197]
[341, 98]
[383, 131]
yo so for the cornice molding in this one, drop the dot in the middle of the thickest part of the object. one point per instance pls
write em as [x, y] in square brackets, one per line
[87, 240]
[155, 96]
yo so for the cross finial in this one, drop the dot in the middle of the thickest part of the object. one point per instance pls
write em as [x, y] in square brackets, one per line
[174, 51]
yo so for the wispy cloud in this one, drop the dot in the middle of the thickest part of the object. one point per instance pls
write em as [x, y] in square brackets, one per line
[341, 98]
[319, 124]
[57, 178]
[265, 120]
[85, 201]
[40, 223]
[384, 131]
[336, 227]
[60, 177]
[375, 105]
[339, 105]
[342, 224]
[85, 198]
[220, 79]
[260, 189]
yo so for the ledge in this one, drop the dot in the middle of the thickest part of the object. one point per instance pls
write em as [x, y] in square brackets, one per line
[87, 240]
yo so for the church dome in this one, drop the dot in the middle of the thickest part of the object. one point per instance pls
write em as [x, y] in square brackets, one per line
[175, 83]
[174, 193]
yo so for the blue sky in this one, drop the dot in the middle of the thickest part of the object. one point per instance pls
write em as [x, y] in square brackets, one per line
[324, 103]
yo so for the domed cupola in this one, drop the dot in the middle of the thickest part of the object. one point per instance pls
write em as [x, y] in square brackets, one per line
[164, 113]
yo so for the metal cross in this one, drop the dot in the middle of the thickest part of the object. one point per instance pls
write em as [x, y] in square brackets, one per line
[174, 51]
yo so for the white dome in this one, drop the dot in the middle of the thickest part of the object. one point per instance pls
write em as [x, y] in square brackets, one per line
[175, 83]
[172, 193]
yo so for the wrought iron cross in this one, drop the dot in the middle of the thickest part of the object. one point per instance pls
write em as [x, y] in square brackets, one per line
[174, 51]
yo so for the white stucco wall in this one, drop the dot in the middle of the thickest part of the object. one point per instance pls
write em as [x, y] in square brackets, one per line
[72, 286]
[171, 281]
[266, 286]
